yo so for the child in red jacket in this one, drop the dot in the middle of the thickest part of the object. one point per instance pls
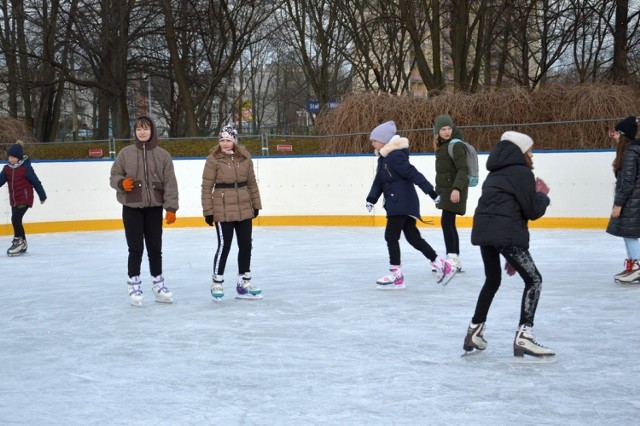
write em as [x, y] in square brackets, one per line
[22, 180]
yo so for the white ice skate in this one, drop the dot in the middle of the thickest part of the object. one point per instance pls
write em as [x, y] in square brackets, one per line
[246, 290]
[444, 270]
[456, 261]
[525, 343]
[217, 291]
[394, 280]
[160, 291]
[135, 291]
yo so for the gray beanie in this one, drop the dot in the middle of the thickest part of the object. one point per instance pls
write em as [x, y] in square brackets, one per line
[523, 141]
[384, 132]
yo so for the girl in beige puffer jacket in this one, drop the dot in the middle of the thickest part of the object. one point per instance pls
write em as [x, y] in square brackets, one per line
[230, 200]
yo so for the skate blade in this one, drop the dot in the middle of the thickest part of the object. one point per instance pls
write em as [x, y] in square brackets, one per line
[249, 296]
[471, 353]
[524, 360]
[167, 301]
[390, 287]
[16, 254]
[136, 304]
[217, 299]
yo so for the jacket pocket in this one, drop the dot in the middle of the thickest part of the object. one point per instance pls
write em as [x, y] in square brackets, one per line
[135, 195]
[158, 191]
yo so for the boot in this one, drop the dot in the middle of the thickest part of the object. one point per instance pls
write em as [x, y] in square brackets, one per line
[135, 291]
[475, 338]
[633, 276]
[160, 291]
[217, 292]
[453, 257]
[628, 267]
[445, 270]
[394, 280]
[18, 246]
[246, 290]
[525, 343]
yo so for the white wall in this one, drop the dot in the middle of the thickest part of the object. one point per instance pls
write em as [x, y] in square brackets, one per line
[581, 185]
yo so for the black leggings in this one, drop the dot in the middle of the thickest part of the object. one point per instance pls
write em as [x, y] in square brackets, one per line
[17, 213]
[450, 232]
[143, 226]
[243, 230]
[523, 263]
[406, 224]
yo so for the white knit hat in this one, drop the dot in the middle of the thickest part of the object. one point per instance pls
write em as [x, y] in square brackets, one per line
[384, 132]
[523, 141]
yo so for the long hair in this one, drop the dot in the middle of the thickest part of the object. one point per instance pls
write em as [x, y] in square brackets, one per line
[623, 144]
[528, 160]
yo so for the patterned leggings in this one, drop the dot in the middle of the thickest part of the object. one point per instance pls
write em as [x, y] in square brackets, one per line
[523, 263]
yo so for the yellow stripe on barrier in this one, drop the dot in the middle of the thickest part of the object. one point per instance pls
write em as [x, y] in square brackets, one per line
[190, 222]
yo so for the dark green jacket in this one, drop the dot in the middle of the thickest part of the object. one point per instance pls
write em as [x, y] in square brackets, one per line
[452, 174]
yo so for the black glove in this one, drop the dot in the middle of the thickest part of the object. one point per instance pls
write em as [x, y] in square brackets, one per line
[256, 212]
[209, 220]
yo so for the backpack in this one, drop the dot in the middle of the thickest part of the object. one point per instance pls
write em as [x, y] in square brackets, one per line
[472, 161]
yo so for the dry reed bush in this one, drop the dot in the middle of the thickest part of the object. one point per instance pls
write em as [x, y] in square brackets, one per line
[12, 130]
[485, 116]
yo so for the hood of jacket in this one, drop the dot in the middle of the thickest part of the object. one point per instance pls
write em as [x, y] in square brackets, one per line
[394, 145]
[504, 154]
[153, 140]
[238, 150]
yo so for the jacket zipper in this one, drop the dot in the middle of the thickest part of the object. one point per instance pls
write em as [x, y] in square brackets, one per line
[146, 173]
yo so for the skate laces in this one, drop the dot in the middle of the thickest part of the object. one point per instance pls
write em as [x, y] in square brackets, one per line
[158, 283]
[526, 332]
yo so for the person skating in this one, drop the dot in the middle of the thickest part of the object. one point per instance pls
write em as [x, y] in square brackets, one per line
[21, 179]
[511, 197]
[396, 179]
[230, 202]
[625, 219]
[145, 183]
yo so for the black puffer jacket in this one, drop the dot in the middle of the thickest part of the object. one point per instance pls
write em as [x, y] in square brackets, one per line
[508, 201]
[627, 195]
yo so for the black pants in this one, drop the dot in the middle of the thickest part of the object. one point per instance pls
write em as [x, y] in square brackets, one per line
[143, 226]
[523, 263]
[225, 230]
[406, 224]
[450, 232]
[17, 213]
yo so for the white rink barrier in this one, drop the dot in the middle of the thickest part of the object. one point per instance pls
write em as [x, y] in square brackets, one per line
[321, 190]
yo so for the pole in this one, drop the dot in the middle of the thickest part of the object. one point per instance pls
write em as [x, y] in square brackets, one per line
[149, 95]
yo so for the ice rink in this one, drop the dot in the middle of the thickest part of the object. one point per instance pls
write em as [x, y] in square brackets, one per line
[323, 347]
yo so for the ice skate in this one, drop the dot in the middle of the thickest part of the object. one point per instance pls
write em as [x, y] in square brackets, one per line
[394, 280]
[631, 277]
[628, 267]
[246, 290]
[456, 261]
[525, 343]
[445, 270]
[135, 291]
[217, 291]
[475, 338]
[18, 247]
[160, 291]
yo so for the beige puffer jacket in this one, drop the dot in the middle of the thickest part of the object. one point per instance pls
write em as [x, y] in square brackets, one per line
[151, 168]
[229, 186]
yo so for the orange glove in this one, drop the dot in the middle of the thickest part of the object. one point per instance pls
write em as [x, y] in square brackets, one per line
[170, 217]
[127, 184]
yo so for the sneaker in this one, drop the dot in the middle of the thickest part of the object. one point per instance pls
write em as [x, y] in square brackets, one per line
[160, 291]
[633, 276]
[525, 343]
[135, 291]
[18, 246]
[246, 290]
[392, 281]
[217, 292]
[456, 261]
[628, 267]
[445, 270]
[475, 338]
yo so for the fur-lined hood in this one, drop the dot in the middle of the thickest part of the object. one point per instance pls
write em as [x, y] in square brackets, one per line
[394, 145]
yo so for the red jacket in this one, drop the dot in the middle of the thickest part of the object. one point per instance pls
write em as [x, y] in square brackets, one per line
[22, 180]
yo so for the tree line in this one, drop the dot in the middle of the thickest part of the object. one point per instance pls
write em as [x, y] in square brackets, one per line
[204, 63]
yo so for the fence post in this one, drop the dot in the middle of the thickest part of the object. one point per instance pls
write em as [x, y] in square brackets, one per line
[112, 147]
[264, 138]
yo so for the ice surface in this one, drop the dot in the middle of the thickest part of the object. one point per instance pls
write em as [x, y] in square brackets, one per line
[324, 347]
